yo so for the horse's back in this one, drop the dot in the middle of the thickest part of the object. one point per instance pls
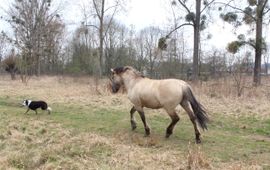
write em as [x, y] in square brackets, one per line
[171, 91]
[159, 93]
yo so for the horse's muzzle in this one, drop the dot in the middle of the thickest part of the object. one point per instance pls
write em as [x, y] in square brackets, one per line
[115, 87]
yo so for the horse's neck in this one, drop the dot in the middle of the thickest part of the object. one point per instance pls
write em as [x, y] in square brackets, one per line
[129, 83]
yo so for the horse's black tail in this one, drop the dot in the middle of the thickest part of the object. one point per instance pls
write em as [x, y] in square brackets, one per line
[198, 109]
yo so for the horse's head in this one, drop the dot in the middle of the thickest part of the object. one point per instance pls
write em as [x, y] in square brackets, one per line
[117, 78]
[119, 74]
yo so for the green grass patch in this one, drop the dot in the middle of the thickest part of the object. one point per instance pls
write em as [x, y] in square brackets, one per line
[229, 138]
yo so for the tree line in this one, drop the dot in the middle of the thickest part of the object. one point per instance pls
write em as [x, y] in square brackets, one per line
[40, 45]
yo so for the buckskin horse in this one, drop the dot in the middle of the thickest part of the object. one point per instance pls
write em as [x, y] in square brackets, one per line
[155, 94]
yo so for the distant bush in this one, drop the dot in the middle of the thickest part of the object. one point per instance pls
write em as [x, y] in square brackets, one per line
[10, 65]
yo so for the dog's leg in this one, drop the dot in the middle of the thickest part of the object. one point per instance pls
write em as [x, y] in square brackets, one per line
[49, 110]
[27, 111]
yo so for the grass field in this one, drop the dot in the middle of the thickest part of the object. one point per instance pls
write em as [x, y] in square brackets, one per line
[91, 130]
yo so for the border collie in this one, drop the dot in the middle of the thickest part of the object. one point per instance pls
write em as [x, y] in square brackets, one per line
[34, 105]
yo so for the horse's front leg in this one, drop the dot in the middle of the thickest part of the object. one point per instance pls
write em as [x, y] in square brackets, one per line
[132, 119]
[146, 127]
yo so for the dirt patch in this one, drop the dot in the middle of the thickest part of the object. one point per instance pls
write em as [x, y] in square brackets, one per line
[260, 138]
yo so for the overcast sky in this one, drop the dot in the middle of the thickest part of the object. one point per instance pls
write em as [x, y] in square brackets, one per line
[140, 14]
[144, 13]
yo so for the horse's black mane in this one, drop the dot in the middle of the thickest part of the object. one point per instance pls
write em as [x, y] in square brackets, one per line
[119, 70]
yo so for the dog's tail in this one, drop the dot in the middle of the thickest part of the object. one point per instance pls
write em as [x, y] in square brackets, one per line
[49, 110]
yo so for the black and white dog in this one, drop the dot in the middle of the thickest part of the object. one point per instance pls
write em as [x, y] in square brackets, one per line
[34, 105]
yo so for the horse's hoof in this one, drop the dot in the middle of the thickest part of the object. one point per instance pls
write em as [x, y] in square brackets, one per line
[167, 135]
[147, 132]
[198, 141]
[169, 132]
[133, 127]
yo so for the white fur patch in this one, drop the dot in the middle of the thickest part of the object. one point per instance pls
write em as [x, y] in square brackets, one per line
[50, 109]
[24, 102]
[29, 101]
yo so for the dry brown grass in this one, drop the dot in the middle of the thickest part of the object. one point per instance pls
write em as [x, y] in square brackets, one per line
[62, 90]
[221, 96]
[77, 151]
[56, 147]
[217, 96]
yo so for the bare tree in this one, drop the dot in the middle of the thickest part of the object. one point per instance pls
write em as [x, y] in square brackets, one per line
[83, 50]
[34, 25]
[253, 13]
[150, 38]
[140, 52]
[266, 63]
[116, 47]
[3, 46]
[196, 19]
[239, 73]
[102, 12]
[10, 64]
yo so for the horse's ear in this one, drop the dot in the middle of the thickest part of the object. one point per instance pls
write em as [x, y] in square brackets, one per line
[119, 70]
[126, 68]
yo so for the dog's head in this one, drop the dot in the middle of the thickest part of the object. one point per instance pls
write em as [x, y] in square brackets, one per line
[26, 102]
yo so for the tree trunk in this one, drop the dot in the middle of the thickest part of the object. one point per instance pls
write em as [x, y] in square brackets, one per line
[12, 74]
[38, 65]
[101, 38]
[100, 49]
[38, 56]
[258, 49]
[195, 70]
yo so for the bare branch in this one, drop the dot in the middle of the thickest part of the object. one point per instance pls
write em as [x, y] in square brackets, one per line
[184, 5]
[111, 19]
[96, 9]
[264, 7]
[236, 8]
[207, 6]
[168, 35]
[265, 2]
[249, 43]
[91, 25]
[114, 6]
[266, 11]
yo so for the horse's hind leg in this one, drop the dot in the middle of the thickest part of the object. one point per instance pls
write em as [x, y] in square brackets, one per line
[185, 104]
[132, 120]
[175, 118]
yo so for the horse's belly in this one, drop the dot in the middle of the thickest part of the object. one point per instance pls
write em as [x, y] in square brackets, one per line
[153, 104]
